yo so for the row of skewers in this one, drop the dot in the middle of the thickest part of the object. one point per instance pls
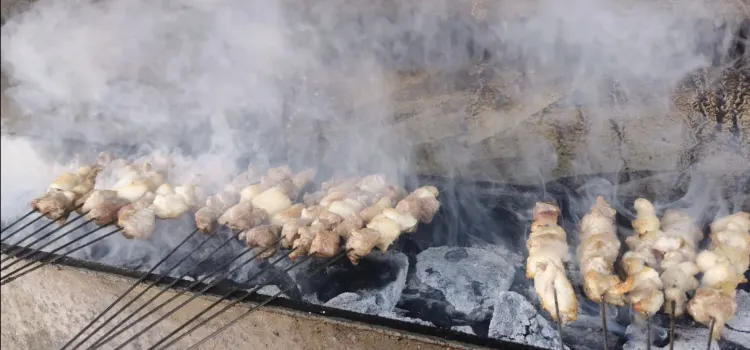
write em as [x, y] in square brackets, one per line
[347, 217]
[660, 265]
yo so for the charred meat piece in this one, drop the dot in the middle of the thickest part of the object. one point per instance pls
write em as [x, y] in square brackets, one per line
[137, 220]
[325, 244]
[301, 246]
[290, 231]
[548, 251]
[55, 205]
[206, 219]
[242, 216]
[102, 206]
[263, 237]
[350, 223]
[360, 243]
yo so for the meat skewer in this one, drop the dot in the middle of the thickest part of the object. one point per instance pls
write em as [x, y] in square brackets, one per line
[548, 251]
[677, 248]
[640, 261]
[723, 265]
[596, 254]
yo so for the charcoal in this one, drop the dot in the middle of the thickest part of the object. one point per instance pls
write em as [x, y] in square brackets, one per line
[467, 277]
[738, 328]
[463, 329]
[515, 319]
[687, 338]
[381, 293]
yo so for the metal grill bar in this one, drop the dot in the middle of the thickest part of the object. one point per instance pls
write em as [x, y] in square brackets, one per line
[102, 341]
[50, 242]
[140, 280]
[248, 312]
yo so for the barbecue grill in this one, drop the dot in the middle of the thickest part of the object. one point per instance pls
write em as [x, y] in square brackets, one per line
[470, 208]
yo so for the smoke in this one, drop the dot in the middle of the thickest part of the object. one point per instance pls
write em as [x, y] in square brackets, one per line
[387, 86]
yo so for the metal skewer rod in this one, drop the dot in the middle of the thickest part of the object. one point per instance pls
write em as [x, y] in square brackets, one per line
[648, 333]
[248, 312]
[711, 326]
[217, 302]
[44, 255]
[672, 305]
[44, 263]
[101, 341]
[605, 331]
[18, 247]
[140, 280]
[29, 253]
[43, 227]
[23, 227]
[164, 290]
[559, 321]
[32, 211]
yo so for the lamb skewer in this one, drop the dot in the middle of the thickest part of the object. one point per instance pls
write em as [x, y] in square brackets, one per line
[677, 248]
[548, 251]
[639, 262]
[596, 253]
[723, 265]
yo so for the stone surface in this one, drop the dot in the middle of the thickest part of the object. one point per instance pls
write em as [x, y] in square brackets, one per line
[467, 277]
[515, 319]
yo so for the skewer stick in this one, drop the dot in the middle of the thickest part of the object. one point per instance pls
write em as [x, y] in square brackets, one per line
[671, 324]
[710, 333]
[44, 263]
[319, 269]
[557, 316]
[29, 253]
[217, 302]
[17, 248]
[101, 341]
[164, 290]
[32, 211]
[140, 280]
[23, 227]
[648, 333]
[604, 325]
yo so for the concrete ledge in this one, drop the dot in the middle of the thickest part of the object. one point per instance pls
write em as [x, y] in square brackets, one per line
[45, 309]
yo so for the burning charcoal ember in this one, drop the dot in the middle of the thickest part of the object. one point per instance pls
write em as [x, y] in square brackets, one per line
[723, 265]
[467, 277]
[326, 244]
[273, 201]
[597, 253]
[290, 213]
[548, 251]
[514, 318]
[360, 243]
[688, 338]
[262, 237]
